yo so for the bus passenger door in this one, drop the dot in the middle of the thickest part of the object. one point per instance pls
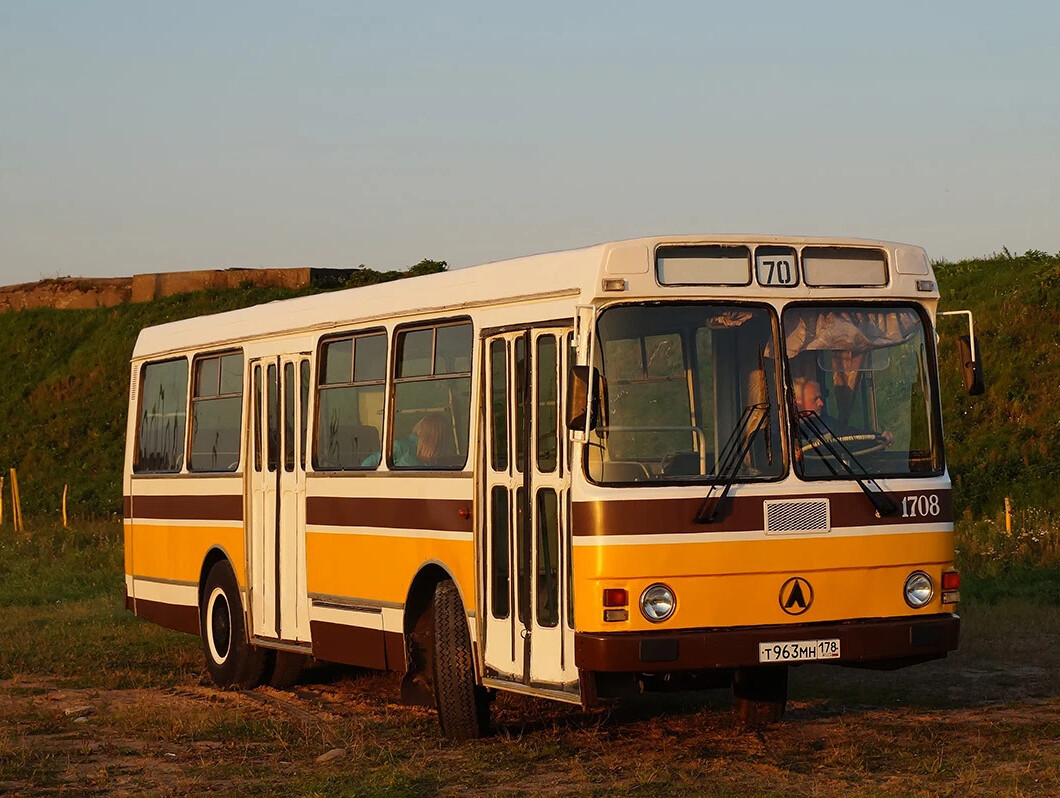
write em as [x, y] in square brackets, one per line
[276, 529]
[504, 482]
[524, 549]
[263, 492]
[290, 545]
[552, 632]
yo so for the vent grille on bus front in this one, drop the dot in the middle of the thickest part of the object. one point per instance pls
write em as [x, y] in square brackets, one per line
[134, 384]
[797, 516]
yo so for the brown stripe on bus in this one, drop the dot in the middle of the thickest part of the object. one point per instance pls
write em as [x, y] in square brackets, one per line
[172, 616]
[739, 514]
[445, 515]
[355, 645]
[191, 508]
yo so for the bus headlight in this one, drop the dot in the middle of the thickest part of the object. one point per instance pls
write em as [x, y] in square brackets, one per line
[657, 603]
[918, 589]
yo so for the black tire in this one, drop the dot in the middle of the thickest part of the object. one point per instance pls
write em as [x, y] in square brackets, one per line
[230, 658]
[759, 695]
[283, 668]
[463, 706]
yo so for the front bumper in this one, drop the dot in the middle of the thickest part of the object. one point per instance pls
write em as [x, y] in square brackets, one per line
[887, 642]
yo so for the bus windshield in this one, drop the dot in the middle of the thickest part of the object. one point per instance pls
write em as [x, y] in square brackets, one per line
[690, 395]
[862, 390]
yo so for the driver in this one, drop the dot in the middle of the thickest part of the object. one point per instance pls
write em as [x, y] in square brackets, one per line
[809, 400]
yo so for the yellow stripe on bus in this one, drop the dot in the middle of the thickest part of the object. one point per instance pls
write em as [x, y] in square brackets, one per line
[382, 567]
[759, 556]
[176, 551]
[739, 583]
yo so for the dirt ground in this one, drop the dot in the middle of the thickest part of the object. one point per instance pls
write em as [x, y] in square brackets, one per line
[986, 721]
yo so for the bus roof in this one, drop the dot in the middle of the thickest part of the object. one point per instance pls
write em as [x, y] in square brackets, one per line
[574, 273]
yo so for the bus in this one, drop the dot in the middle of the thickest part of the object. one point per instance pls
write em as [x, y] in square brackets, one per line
[666, 463]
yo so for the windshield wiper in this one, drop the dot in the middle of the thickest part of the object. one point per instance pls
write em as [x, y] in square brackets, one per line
[881, 500]
[734, 452]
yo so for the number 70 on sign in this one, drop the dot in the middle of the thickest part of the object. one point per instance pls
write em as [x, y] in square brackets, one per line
[776, 270]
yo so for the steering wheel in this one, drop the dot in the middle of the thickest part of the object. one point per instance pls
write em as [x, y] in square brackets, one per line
[875, 443]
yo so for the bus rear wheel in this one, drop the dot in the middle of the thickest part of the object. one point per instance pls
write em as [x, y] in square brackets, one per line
[463, 706]
[759, 695]
[230, 658]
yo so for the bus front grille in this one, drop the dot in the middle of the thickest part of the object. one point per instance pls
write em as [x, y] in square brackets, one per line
[796, 516]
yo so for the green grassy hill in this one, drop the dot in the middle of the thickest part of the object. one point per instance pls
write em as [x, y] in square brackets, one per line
[65, 378]
[1007, 441]
[64, 390]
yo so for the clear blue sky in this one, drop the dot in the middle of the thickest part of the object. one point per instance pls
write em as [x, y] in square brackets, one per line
[147, 136]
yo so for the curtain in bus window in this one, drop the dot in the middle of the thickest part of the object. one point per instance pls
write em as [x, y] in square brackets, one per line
[432, 398]
[216, 411]
[163, 409]
[873, 372]
[850, 343]
[349, 413]
[849, 330]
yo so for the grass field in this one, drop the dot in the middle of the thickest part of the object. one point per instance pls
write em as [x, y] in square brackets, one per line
[93, 700]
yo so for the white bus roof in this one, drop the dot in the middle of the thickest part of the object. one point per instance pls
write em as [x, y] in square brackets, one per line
[573, 273]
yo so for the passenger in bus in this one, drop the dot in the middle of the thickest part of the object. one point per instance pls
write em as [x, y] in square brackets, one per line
[424, 446]
[808, 398]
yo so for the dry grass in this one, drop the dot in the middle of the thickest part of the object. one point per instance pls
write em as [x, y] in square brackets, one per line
[985, 722]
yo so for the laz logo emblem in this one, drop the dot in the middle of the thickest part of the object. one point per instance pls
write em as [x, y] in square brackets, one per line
[796, 596]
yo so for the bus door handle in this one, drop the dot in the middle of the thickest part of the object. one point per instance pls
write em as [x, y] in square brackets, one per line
[525, 634]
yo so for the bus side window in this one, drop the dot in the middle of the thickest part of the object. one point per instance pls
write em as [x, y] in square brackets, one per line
[432, 397]
[161, 421]
[351, 384]
[216, 410]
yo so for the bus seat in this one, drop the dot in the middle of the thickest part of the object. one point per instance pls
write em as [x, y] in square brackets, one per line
[681, 464]
[364, 440]
[618, 471]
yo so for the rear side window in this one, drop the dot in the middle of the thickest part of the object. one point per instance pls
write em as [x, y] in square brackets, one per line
[161, 423]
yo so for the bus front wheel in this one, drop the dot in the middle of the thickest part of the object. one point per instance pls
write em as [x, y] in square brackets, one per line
[463, 706]
[759, 695]
[230, 658]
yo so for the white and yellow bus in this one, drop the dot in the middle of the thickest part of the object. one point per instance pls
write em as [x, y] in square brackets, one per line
[657, 463]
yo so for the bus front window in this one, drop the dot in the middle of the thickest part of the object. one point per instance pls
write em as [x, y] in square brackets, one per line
[863, 393]
[691, 393]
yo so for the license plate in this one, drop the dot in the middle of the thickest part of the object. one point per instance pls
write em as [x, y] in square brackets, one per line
[798, 650]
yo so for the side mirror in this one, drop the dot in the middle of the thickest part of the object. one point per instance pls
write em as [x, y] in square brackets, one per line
[971, 366]
[578, 396]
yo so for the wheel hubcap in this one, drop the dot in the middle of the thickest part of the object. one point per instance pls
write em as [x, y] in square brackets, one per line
[219, 626]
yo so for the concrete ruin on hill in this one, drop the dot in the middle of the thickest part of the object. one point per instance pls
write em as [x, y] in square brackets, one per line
[105, 292]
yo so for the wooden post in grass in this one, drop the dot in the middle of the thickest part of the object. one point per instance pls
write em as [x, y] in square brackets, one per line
[1008, 516]
[64, 505]
[16, 504]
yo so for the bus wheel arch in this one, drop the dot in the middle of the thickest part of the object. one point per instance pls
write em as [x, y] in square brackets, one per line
[442, 670]
[231, 659]
[417, 686]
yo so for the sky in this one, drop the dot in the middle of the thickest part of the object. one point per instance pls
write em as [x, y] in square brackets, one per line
[148, 136]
